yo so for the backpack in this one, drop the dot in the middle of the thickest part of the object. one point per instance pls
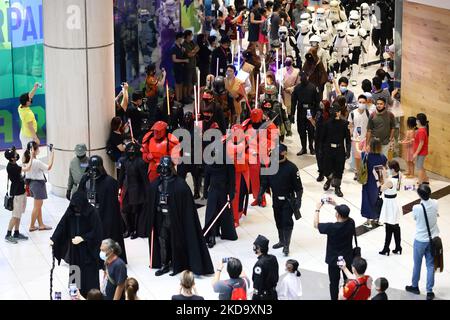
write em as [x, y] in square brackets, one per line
[353, 115]
[238, 293]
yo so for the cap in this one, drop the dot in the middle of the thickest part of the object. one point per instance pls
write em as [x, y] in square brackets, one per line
[282, 148]
[262, 242]
[343, 210]
[80, 149]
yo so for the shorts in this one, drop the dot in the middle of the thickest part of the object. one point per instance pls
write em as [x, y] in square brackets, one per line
[38, 189]
[190, 76]
[178, 72]
[20, 203]
[25, 140]
[420, 160]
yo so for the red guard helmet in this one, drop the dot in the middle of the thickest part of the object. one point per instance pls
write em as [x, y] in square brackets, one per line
[256, 115]
[159, 130]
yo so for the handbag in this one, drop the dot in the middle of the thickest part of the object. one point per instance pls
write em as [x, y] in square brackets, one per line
[356, 249]
[437, 250]
[363, 172]
[9, 200]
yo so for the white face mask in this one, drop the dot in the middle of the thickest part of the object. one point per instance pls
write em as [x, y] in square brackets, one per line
[103, 255]
[361, 106]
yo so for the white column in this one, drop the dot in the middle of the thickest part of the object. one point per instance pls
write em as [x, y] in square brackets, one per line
[79, 71]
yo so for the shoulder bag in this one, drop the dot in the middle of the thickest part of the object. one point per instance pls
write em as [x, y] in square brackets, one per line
[437, 250]
[9, 200]
[363, 172]
[356, 249]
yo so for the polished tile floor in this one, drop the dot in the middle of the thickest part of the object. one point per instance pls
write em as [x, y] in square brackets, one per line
[25, 267]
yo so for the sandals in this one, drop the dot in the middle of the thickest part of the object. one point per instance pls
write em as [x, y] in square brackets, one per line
[45, 228]
[33, 229]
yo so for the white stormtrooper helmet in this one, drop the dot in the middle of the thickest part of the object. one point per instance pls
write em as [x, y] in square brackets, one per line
[353, 19]
[283, 33]
[365, 9]
[305, 17]
[340, 29]
[324, 44]
[320, 14]
[304, 27]
[315, 40]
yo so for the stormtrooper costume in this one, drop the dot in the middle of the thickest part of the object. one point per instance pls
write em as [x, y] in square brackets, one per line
[322, 26]
[355, 36]
[368, 23]
[303, 36]
[340, 50]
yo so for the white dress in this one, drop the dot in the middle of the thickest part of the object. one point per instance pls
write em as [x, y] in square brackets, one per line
[390, 212]
[289, 287]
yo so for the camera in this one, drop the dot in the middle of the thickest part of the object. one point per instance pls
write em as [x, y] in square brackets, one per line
[73, 290]
[341, 261]
[225, 260]
[325, 199]
[359, 130]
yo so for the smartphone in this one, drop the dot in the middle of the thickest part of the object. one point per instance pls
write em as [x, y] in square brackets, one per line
[340, 261]
[225, 260]
[379, 169]
[57, 295]
[386, 49]
[330, 76]
[73, 290]
[308, 114]
[359, 130]
[50, 147]
[39, 85]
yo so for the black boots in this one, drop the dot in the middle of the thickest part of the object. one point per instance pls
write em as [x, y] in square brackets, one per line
[301, 152]
[280, 243]
[398, 247]
[337, 187]
[287, 241]
[164, 269]
[164, 251]
[211, 241]
[327, 184]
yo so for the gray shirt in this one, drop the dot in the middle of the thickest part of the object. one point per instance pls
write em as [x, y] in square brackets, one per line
[431, 206]
[76, 172]
[225, 287]
[381, 124]
[275, 21]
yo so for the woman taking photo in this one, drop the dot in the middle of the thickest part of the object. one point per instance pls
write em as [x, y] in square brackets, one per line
[421, 147]
[37, 180]
[187, 288]
[370, 190]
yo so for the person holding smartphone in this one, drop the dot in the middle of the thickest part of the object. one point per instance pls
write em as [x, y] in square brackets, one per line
[37, 179]
[339, 242]
[237, 279]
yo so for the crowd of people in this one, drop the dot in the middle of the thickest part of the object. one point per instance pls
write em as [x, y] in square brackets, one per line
[249, 100]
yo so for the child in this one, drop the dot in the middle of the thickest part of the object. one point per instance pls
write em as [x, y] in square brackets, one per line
[390, 212]
[289, 286]
[18, 192]
[407, 143]
[381, 285]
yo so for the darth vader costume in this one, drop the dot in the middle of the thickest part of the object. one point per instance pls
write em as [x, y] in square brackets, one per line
[102, 192]
[175, 234]
[80, 220]
[134, 185]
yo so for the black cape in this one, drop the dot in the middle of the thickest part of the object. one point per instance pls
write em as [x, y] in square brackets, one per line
[85, 255]
[135, 189]
[109, 209]
[189, 251]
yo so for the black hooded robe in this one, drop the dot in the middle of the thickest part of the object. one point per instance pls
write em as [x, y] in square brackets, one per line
[107, 190]
[189, 251]
[135, 185]
[85, 255]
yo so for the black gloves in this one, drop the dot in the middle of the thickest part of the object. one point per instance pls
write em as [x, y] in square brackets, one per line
[292, 119]
[68, 194]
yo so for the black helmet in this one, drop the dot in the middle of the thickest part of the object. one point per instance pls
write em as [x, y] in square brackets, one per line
[95, 162]
[165, 166]
[188, 119]
[11, 154]
[219, 85]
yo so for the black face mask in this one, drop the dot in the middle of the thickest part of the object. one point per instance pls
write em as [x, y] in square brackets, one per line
[380, 111]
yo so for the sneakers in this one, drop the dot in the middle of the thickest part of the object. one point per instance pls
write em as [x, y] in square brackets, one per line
[414, 290]
[10, 239]
[430, 295]
[20, 236]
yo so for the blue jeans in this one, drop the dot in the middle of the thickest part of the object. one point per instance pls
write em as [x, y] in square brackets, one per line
[423, 249]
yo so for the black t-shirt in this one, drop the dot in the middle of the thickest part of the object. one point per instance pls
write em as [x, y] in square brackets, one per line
[179, 54]
[17, 181]
[136, 116]
[117, 271]
[339, 241]
[114, 140]
[181, 297]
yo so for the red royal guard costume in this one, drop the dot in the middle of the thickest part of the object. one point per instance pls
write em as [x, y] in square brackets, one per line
[260, 149]
[237, 149]
[156, 144]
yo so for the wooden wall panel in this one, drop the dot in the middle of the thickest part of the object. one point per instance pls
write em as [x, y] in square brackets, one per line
[426, 76]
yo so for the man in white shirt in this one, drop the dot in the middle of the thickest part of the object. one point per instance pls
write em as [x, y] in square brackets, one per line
[358, 120]
[422, 245]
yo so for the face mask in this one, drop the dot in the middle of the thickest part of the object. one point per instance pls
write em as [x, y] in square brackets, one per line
[288, 63]
[361, 106]
[102, 255]
[343, 89]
